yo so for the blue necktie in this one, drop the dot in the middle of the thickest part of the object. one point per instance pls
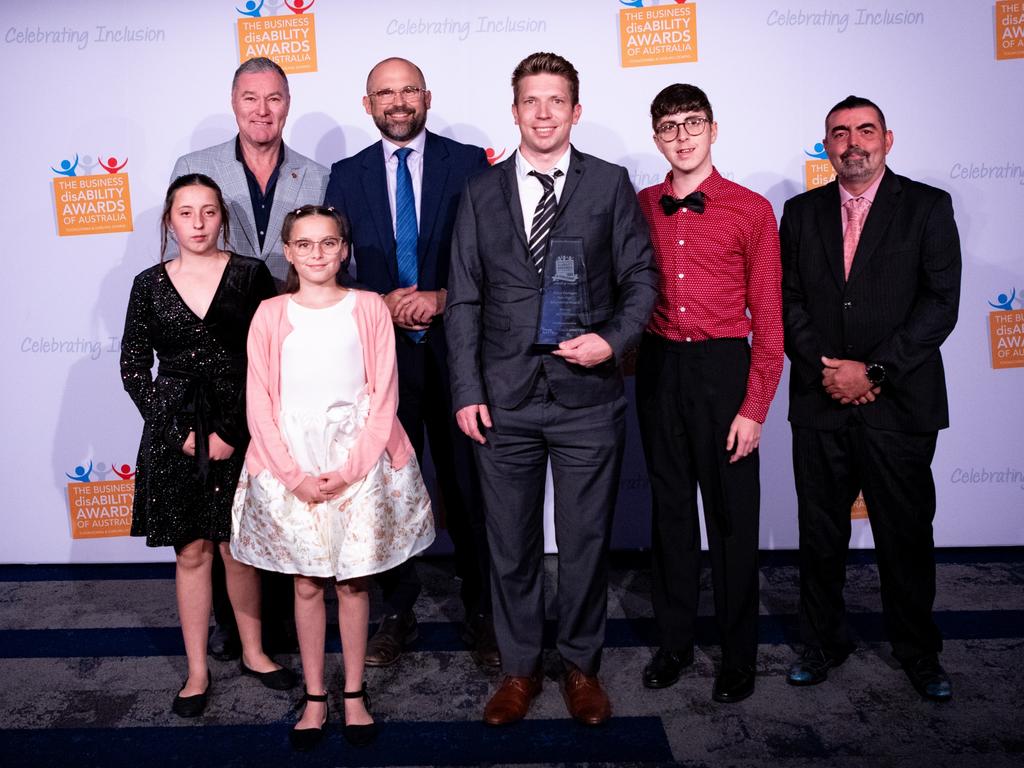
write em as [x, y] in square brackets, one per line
[406, 231]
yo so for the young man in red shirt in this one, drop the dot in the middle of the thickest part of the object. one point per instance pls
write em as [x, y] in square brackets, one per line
[703, 390]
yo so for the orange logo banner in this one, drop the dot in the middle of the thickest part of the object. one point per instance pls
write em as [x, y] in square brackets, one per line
[1007, 334]
[818, 173]
[101, 509]
[288, 40]
[92, 205]
[663, 34]
[1010, 29]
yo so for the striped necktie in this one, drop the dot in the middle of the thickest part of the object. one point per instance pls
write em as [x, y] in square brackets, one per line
[543, 218]
[406, 230]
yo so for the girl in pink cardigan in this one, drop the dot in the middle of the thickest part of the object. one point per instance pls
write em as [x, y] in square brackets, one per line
[331, 489]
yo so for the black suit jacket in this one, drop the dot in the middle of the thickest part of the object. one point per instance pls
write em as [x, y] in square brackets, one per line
[898, 306]
[358, 188]
[494, 291]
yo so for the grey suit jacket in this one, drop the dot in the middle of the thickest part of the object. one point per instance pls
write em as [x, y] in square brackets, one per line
[494, 291]
[300, 181]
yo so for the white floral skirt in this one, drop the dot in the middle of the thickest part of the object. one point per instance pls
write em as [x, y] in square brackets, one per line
[374, 524]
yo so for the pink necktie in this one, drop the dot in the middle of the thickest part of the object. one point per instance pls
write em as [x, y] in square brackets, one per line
[856, 211]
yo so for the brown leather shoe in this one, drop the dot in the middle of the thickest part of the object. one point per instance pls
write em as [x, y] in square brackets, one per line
[585, 698]
[394, 635]
[511, 701]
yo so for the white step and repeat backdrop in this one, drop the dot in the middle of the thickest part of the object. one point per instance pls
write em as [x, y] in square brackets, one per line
[102, 96]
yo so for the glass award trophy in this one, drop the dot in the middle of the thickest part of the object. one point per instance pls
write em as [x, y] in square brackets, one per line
[565, 299]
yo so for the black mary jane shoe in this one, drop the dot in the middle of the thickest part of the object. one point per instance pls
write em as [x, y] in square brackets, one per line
[282, 679]
[359, 735]
[191, 706]
[305, 739]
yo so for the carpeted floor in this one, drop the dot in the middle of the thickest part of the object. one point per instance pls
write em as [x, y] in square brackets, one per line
[91, 656]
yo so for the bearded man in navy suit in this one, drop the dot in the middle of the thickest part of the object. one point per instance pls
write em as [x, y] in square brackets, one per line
[400, 196]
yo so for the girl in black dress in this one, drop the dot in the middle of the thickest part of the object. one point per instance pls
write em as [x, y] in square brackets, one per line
[194, 313]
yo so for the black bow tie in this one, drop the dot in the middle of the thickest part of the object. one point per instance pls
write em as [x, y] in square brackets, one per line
[693, 201]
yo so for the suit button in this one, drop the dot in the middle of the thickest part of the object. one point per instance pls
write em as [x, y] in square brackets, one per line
[847, 304]
[849, 347]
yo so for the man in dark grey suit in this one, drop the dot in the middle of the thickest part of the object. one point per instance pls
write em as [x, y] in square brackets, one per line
[870, 289]
[261, 179]
[523, 406]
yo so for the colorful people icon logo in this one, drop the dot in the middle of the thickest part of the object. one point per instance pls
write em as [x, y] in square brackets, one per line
[251, 9]
[86, 165]
[101, 470]
[819, 152]
[67, 168]
[492, 156]
[1003, 301]
[125, 471]
[81, 473]
[632, 3]
[299, 6]
[111, 165]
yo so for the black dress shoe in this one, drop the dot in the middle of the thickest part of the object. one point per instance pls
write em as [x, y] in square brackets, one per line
[391, 638]
[733, 685]
[478, 634]
[359, 735]
[812, 667]
[664, 669]
[304, 739]
[282, 679]
[191, 706]
[929, 678]
[224, 644]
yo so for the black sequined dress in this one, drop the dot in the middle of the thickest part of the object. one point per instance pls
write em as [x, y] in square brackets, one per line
[200, 386]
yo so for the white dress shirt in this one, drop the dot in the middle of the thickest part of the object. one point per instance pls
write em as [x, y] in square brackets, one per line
[530, 188]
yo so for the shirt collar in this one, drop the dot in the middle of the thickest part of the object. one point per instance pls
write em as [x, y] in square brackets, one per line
[711, 186]
[868, 194]
[241, 158]
[416, 145]
[523, 166]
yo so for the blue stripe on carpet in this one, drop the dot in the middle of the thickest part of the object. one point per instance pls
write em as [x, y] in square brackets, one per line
[444, 636]
[621, 740]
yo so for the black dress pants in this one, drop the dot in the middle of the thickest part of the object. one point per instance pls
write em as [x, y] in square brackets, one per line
[688, 394]
[894, 470]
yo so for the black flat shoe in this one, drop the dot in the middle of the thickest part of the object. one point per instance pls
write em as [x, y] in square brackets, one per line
[282, 679]
[191, 706]
[733, 685]
[664, 669]
[929, 678]
[305, 739]
[812, 667]
[359, 735]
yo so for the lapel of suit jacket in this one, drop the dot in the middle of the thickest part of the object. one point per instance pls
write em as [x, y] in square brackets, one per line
[435, 177]
[286, 198]
[880, 215]
[375, 190]
[830, 220]
[510, 188]
[236, 190]
[572, 180]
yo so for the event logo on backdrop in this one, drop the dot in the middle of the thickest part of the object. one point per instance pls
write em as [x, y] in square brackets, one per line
[657, 34]
[288, 39]
[100, 500]
[818, 171]
[95, 203]
[493, 155]
[1009, 18]
[1006, 330]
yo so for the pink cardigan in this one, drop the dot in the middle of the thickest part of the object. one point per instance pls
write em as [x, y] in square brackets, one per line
[382, 431]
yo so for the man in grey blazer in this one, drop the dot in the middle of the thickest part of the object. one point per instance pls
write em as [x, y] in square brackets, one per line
[260, 177]
[523, 406]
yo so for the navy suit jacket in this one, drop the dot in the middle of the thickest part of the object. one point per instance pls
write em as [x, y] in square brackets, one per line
[897, 307]
[358, 188]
